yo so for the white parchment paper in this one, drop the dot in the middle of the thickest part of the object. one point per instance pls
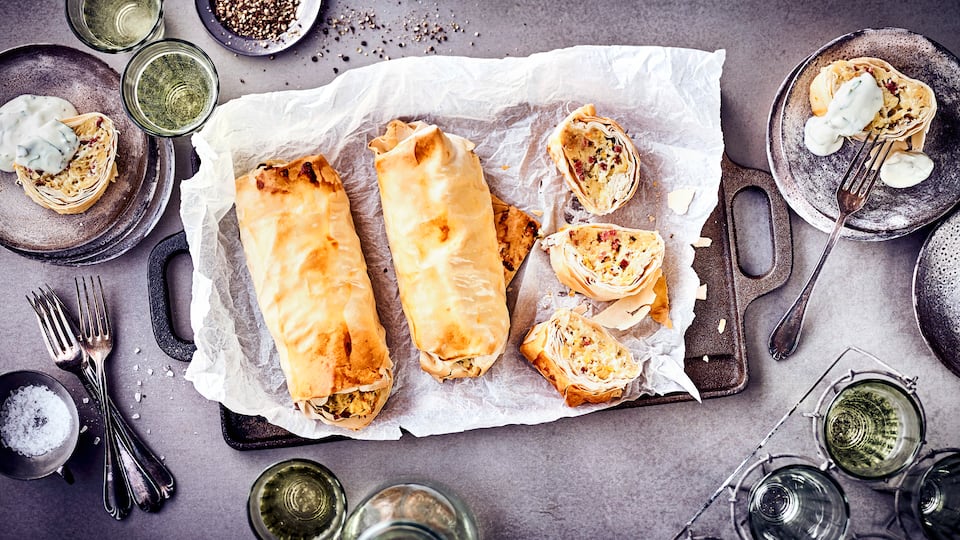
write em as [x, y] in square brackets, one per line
[668, 101]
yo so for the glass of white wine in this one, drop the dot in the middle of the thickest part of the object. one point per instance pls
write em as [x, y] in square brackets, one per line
[115, 26]
[296, 498]
[873, 426]
[170, 88]
[928, 498]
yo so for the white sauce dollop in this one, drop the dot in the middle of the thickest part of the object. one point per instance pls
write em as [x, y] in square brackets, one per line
[48, 148]
[23, 116]
[853, 106]
[905, 169]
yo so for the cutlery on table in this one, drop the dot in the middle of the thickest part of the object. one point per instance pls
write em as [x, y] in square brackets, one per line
[145, 475]
[852, 194]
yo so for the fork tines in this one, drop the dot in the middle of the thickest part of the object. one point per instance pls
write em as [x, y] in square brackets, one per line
[94, 320]
[51, 316]
[868, 168]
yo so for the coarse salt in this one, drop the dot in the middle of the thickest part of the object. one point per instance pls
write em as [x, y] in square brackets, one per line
[34, 420]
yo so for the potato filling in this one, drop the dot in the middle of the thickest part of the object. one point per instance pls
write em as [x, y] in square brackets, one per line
[597, 159]
[592, 354]
[618, 257]
[349, 404]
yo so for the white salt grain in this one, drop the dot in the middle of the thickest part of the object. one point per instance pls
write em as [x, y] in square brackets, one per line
[138, 396]
[34, 420]
[136, 351]
[96, 441]
[149, 371]
[83, 429]
[136, 416]
[136, 367]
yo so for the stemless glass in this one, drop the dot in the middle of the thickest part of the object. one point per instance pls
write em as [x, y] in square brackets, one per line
[410, 511]
[797, 501]
[114, 26]
[296, 498]
[872, 429]
[928, 499]
[170, 88]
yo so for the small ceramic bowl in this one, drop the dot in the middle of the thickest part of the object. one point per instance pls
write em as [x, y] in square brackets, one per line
[22, 467]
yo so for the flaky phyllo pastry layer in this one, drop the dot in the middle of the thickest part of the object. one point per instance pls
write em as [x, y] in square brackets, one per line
[908, 107]
[597, 159]
[312, 287]
[607, 262]
[579, 358]
[440, 227]
[76, 188]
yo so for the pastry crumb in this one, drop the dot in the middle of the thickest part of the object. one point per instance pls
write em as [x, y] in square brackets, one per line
[701, 292]
[702, 242]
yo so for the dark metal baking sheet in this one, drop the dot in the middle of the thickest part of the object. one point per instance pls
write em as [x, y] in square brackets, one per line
[730, 291]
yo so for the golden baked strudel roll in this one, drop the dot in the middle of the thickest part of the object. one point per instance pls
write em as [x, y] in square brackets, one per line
[439, 222]
[312, 287]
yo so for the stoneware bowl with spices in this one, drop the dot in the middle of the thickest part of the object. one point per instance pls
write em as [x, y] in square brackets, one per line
[39, 426]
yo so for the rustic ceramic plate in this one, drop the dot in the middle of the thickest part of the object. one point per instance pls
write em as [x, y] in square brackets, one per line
[307, 12]
[128, 209]
[936, 297]
[809, 183]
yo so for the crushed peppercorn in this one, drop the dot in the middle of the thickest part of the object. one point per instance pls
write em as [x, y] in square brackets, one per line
[257, 19]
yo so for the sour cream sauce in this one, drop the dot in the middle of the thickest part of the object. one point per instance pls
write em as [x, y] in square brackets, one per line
[854, 106]
[905, 169]
[27, 139]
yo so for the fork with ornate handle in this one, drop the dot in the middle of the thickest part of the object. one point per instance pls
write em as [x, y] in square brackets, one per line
[852, 194]
[149, 479]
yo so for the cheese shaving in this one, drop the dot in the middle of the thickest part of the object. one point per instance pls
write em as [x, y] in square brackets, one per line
[679, 200]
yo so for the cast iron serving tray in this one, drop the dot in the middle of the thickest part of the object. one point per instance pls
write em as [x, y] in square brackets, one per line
[730, 291]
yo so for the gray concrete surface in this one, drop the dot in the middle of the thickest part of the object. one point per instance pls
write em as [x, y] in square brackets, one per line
[637, 473]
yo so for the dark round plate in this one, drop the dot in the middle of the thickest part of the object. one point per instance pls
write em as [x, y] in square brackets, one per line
[936, 297]
[809, 183]
[307, 12]
[145, 173]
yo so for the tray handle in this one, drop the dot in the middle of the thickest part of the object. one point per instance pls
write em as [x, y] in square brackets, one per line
[159, 292]
[736, 179]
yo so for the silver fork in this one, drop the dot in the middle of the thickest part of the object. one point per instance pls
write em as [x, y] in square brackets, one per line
[97, 342]
[148, 480]
[855, 188]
